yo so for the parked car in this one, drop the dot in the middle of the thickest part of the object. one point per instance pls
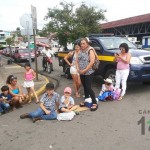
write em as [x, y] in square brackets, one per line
[23, 55]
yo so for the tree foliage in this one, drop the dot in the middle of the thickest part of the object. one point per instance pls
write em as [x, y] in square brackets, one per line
[71, 23]
[10, 41]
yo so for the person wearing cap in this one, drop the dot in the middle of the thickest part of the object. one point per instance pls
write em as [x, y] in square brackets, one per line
[106, 90]
[86, 59]
[67, 103]
[48, 103]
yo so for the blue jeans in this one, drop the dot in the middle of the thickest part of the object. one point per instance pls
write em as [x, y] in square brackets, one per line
[4, 106]
[40, 113]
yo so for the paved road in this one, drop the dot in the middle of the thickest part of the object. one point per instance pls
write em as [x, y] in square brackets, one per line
[114, 126]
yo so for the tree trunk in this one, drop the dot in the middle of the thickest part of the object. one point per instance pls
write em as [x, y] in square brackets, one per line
[10, 50]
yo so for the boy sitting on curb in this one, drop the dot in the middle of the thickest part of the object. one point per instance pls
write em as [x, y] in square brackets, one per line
[46, 111]
[5, 99]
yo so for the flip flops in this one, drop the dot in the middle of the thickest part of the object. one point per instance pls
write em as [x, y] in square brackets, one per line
[94, 107]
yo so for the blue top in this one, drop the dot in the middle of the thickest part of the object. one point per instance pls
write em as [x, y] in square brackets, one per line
[8, 96]
[15, 91]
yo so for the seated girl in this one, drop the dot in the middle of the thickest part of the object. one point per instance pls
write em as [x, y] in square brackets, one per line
[106, 92]
[67, 102]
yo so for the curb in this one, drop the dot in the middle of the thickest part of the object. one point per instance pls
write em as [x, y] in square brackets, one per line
[42, 89]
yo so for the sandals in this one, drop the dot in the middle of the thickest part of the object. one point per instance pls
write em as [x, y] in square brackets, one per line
[94, 107]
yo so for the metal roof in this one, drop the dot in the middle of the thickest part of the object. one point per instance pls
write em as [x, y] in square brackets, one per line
[127, 21]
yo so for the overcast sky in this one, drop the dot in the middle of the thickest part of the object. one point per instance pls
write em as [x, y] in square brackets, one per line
[12, 10]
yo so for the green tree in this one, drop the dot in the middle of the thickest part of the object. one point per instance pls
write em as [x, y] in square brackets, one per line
[71, 23]
[1, 47]
[10, 41]
[18, 32]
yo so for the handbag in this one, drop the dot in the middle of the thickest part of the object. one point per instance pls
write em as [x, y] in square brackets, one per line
[96, 64]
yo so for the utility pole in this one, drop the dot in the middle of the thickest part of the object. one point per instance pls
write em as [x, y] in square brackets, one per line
[35, 50]
[28, 35]
[34, 25]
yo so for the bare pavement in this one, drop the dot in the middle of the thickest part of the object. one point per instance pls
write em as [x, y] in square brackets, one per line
[114, 126]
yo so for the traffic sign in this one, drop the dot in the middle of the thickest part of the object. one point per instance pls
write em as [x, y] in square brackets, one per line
[34, 17]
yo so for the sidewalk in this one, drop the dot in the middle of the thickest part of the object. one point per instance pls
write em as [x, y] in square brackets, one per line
[18, 71]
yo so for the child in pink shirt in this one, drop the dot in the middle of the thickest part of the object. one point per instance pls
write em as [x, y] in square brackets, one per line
[29, 83]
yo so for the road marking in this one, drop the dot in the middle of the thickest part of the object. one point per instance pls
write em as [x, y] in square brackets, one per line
[7, 67]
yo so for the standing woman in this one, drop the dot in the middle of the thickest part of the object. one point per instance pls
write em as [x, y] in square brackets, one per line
[73, 68]
[123, 60]
[86, 59]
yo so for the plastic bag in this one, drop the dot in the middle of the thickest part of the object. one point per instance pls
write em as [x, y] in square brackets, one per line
[66, 116]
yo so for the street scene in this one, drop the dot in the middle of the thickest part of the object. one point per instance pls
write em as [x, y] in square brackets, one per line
[76, 81]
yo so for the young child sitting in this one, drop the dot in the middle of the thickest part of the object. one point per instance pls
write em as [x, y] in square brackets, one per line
[5, 99]
[48, 102]
[106, 92]
[67, 102]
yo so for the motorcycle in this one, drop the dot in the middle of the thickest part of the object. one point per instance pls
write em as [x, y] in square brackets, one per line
[47, 64]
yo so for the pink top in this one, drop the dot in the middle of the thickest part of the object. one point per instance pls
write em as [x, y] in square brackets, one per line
[121, 65]
[106, 88]
[29, 75]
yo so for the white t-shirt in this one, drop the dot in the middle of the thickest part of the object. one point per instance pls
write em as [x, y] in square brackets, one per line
[62, 102]
[48, 52]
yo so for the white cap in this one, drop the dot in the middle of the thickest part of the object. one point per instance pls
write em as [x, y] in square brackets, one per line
[108, 80]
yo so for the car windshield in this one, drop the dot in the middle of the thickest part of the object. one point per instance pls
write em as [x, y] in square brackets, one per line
[23, 50]
[111, 43]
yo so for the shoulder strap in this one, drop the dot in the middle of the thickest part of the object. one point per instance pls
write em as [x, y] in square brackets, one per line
[91, 48]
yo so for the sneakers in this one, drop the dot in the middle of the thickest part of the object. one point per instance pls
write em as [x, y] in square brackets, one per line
[24, 116]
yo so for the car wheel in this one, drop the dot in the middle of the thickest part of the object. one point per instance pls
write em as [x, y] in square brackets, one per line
[18, 60]
[51, 66]
[67, 72]
[111, 73]
[49, 69]
[146, 83]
